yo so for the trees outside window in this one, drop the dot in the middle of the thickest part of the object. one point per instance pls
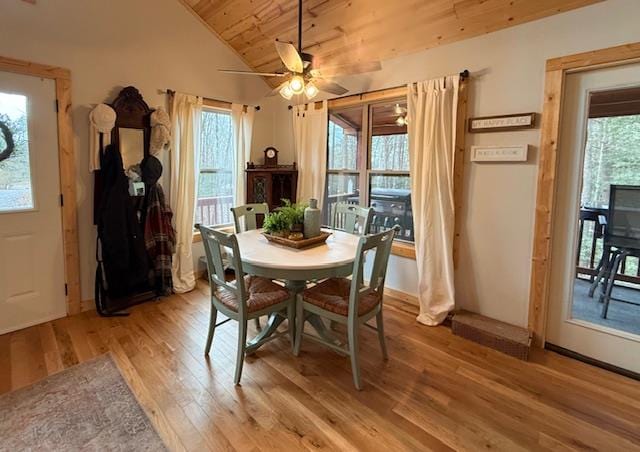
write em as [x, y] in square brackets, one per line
[216, 187]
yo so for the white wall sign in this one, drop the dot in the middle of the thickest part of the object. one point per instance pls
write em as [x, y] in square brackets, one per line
[517, 153]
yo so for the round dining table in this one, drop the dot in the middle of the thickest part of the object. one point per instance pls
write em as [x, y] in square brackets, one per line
[295, 267]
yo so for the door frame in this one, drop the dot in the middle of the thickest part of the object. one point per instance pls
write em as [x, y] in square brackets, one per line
[555, 75]
[67, 167]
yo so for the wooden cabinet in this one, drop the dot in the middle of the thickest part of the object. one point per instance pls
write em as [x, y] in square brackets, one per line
[271, 185]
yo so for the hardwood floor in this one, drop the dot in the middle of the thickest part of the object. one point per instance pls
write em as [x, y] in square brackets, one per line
[437, 391]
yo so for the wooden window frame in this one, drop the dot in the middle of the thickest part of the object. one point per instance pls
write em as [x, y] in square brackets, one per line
[407, 249]
[556, 72]
[67, 169]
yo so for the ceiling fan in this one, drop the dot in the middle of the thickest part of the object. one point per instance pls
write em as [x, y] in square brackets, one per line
[302, 76]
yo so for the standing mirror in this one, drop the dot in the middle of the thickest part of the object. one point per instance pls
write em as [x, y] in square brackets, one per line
[132, 130]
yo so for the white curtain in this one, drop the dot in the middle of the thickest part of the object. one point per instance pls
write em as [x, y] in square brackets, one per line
[242, 134]
[432, 111]
[310, 141]
[186, 113]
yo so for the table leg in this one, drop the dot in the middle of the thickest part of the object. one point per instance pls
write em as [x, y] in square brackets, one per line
[272, 325]
[318, 324]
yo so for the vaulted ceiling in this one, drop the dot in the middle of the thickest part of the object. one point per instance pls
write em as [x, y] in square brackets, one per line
[346, 31]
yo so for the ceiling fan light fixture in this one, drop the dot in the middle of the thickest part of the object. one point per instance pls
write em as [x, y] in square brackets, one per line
[286, 92]
[311, 90]
[401, 121]
[296, 84]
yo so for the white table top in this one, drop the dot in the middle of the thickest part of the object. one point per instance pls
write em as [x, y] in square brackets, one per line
[339, 249]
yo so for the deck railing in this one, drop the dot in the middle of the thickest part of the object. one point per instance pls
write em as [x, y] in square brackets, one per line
[590, 237]
[214, 211]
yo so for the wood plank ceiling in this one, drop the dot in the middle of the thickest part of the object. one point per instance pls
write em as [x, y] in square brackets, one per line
[341, 31]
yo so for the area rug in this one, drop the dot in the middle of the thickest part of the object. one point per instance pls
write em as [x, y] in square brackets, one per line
[86, 407]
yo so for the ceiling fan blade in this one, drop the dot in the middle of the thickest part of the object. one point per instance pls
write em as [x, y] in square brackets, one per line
[347, 69]
[290, 56]
[262, 74]
[330, 87]
[277, 90]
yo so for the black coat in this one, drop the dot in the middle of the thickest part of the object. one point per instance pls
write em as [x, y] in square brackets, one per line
[124, 256]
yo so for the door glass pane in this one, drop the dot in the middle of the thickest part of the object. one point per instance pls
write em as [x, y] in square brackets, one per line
[15, 172]
[609, 223]
[345, 132]
[341, 188]
[390, 197]
[389, 144]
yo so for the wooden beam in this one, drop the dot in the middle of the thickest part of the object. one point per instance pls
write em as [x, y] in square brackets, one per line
[557, 68]
[458, 166]
[595, 58]
[34, 69]
[67, 168]
[545, 202]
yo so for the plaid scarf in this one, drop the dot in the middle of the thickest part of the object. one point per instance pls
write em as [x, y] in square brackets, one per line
[160, 237]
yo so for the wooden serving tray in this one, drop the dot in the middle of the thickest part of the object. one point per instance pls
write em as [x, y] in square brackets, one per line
[299, 244]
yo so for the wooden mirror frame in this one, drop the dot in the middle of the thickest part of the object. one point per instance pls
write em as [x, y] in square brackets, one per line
[556, 71]
[132, 112]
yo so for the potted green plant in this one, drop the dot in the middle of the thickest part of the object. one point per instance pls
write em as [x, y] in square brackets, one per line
[276, 224]
[294, 213]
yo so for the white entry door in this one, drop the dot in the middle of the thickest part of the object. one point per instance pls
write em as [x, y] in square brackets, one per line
[594, 152]
[32, 286]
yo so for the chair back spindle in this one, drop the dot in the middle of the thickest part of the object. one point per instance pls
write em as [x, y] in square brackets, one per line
[352, 218]
[245, 217]
[215, 243]
[381, 243]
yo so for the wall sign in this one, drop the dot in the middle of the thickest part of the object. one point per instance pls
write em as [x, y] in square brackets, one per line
[517, 153]
[502, 123]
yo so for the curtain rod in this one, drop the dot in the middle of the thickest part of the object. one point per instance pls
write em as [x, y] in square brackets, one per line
[172, 92]
[463, 76]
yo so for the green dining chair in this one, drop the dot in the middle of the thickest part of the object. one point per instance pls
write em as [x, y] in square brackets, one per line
[352, 218]
[246, 298]
[343, 300]
[245, 219]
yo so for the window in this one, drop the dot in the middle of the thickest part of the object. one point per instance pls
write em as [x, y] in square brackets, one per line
[216, 188]
[368, 163]
[15, 169]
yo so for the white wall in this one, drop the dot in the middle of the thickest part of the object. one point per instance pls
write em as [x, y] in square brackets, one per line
[507, 77]
[151, 44]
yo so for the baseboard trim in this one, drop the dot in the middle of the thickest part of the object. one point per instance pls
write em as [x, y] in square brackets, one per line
[402, 296]
[87, 305]
[592, 361]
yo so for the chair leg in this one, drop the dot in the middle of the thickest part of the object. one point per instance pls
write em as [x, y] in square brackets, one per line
[614, 271]
[353, 353]
[291, 320]
[242, 344]
[380, 328]
[299, 325]
[212, 328]
[257, 322]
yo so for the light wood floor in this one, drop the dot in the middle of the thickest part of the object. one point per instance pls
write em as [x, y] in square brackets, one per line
[436, 392]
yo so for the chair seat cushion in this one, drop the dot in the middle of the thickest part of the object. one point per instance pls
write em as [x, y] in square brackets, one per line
[333, 295]
[262, 293]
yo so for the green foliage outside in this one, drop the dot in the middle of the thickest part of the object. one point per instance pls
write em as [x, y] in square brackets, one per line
[612, 156]
[216, 154]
